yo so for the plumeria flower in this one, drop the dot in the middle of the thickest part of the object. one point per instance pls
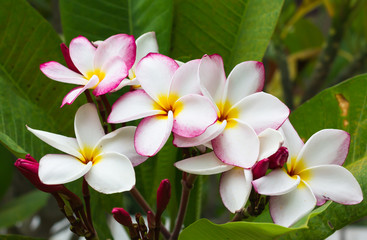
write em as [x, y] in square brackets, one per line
[105, 161]
[313, 175]
[169, 102]
[100, 68]
[235, 182]
[243, 111]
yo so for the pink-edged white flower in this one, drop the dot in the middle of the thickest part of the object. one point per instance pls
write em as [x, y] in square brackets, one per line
[106, 161]
[235, 182]
[243, 111]
[169, 102]
[313, 175]
[100, 68]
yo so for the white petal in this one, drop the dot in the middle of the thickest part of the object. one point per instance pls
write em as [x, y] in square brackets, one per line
[186, 79]
[289, 208]
[237, 145]
[277, 182]
[75, 92]
[206, 164]
[88, 128]
[270, 141]
[291, 139]
[145, 44]
[65, 144]
[60, 169]
[152, 133]
[212, 77]
[133, 105]
[154, 72]
[82, 54]
[262, 111]
[112, 173]
[333, 182]
[245, 79]
[121, 141]
[235, 188]
[210, 133]
[193, 114]
[60, 73]
[328, 146]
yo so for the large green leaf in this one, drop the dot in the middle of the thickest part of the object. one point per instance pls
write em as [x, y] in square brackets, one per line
[237, 30]
[98, 19]
[22, 208]
[26, 95]
[17, 237]
[343, 107]
[6, 169]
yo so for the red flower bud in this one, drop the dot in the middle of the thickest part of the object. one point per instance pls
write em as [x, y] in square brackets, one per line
[69, 62]
[278, 159]
[163, 195]
[29, 168]
[260, 168]
[122, 217]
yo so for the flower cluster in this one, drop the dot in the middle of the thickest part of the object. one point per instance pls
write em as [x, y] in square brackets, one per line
[246, 128]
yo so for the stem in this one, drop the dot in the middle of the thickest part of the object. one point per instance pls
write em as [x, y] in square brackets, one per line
[107, 106]
[187, 184]
[86, 196]
[102, 112]
[89, 97]
[141, 201]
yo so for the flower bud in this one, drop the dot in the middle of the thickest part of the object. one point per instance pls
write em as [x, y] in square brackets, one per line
[29, 168]
[260, 168]
[163, 195]
[69, 62]
[122, 217]
[278, 159]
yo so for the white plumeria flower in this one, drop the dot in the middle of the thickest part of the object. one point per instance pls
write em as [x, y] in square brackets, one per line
[235, 182]
[243, 111]
[102, 68]
[313, 175]
[106, 161]
[169, 102]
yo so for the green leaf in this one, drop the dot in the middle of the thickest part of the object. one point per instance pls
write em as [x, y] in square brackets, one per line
[18, 237]
[6, 169]
[26, 95]
[22, 208]
[195, 202]
[237, 30]
[343, 107]
[98, 19]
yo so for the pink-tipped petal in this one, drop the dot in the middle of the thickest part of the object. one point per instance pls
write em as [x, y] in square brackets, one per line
[133, 105]
[328, 146]
[60, 73]
[262, 111]
[112, 173]
[145, 44]
[60, 169]
[210, 133]
[235, 188]
[82, 54]
[115, 71]
[277, 182]
[186, 80]
[212, 77]
[154, 72]
[87, 126]
[152, 133]
[65, 144]
[119, 45]
[206, 164]
[292, 141]
[270, 141]
[66, 54]
[75, 92]
[237, 145]
[193, 114]
[125, 82]
[121, 141]
[289, 208]
[333, 182]
[245, 79]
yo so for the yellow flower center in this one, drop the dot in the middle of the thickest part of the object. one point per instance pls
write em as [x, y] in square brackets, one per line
[100, 74]
[168, 103]
[89, 155]
[226, 112]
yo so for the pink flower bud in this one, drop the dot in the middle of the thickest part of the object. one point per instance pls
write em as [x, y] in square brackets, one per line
[260, 168]
[29, 168]
[278, 159]
[69, 62]
[122, 217]
[163, 195]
